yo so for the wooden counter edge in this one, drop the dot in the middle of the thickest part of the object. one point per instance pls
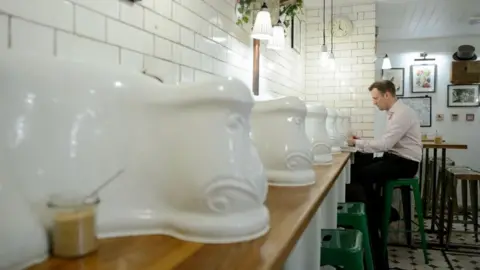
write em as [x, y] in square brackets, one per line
[287, 249]
[317, 193]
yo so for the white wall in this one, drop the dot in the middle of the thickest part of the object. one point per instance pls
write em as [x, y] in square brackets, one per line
[402, 54]
[177, 40]
[345, 87]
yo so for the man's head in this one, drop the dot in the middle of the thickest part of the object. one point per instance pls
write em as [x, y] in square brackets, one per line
[383, 94]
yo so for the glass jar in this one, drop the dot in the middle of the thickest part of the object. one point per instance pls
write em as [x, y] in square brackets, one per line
[438, 139]
[74, 231]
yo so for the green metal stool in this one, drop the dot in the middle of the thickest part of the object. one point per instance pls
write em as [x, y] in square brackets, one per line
[353, 216]
[387, 193]
[342, 248]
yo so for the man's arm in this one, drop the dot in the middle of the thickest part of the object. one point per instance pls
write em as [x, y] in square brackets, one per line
[396, 129]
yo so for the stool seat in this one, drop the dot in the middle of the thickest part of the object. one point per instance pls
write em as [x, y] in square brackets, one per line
[342, 248]
[353, 215]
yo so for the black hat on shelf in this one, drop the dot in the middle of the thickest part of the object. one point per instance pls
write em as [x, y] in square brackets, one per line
[465, 53]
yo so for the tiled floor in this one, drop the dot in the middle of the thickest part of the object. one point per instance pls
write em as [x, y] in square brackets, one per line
[406, 258]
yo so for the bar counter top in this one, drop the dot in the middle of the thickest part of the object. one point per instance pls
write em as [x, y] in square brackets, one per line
[291, 209]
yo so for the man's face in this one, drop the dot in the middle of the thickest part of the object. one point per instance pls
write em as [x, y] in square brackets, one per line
[380, 100]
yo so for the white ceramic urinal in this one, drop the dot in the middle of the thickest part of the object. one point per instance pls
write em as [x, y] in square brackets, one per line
[278, 132]
[317, 133]
[66, 126]
[332, 117]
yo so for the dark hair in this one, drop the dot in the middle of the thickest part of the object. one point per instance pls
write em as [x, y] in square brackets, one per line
[383, 87]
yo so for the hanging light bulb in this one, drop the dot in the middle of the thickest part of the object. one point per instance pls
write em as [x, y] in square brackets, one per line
[262, 29]
[386, 62]
[331, 61]
[277, 42]
[324, 56]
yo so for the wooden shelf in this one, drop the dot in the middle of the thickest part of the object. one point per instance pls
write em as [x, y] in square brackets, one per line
[445, 145]
[291, 209]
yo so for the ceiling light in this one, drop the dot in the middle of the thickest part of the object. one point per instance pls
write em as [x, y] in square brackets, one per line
[277, 42]
[262, 29]
[386, 62]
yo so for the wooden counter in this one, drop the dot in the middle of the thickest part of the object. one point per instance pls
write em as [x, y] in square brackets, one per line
[291, 209]
[444, 145]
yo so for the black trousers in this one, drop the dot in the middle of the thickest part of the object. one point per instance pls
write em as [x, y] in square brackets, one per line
[369, 174]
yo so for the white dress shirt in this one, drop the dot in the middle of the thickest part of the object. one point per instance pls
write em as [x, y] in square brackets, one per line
[402, 136]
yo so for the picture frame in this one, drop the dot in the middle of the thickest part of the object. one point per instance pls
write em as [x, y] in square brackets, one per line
[454, 117]
[423, 78]
[463, 96]
[296, 34]
[439, 117]
[397, 77]
[422, 106]
[470, 117]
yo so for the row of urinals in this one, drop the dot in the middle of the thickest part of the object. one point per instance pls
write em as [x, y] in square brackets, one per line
[196, 157]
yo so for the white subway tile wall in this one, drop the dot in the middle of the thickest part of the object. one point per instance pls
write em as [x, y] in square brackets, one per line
[175, 40]
[346, 86]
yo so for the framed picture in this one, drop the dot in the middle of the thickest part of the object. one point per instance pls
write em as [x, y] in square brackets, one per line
[423, 78]
[439, 117]
[470, 117]
[422, 106]
[454, 117]
[463, 96]
[397, 77]
[296, 34]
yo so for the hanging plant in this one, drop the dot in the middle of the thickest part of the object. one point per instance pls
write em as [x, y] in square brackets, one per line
[287, 12]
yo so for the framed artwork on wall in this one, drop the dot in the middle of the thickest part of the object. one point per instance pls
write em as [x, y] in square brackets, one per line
[397, 77]
[423, 78]
[470, 117]
[454, 117]
[296, 35]
[463, 96]
[422, 106]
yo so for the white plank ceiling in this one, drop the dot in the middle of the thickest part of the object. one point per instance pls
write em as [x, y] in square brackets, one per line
[426, 18]
[414, 19]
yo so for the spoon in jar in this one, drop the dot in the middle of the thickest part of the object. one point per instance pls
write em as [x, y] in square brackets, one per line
[104, 184]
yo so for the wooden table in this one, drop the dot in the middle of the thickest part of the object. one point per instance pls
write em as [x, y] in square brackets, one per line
[435, 146]
[291, 209]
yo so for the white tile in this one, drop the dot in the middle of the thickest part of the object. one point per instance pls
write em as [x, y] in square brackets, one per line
[163, 48]
[27, 36]
[190, 20]
[187, 75]
[207, 63]
[168, 72]
[110, 8]
[83, 49]
[129, 37]
[90, 24]
[56, 13]
[161, 26]
[131, 59]
[187, 37]
[164, 7]
[201, 76]
[131, 14]
[3, 32]
[147, 3]
[191, 58]
[201, 9]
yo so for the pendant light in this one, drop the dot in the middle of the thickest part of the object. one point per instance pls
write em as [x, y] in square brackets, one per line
[331, 57]
[324, 50]
[386, 62]
[277, 42]
[262, 29]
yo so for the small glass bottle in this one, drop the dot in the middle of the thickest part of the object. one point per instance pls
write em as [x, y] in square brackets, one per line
[438, 138]
[74, 231]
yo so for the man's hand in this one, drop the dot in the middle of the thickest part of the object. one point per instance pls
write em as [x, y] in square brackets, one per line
[351, 142]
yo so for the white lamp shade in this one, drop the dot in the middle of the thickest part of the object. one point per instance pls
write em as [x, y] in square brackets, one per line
[277, 42]
[386, 63]
[262, 29]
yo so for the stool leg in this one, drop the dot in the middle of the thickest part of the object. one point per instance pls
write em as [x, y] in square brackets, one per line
[407, 213]
[387, 195]
[366, 244]
[418, 207]
[465, 203]
[474, 201]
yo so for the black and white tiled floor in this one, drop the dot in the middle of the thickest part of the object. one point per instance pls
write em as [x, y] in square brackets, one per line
[406, 258]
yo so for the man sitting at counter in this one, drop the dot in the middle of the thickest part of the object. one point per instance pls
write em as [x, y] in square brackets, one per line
[401, 146]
